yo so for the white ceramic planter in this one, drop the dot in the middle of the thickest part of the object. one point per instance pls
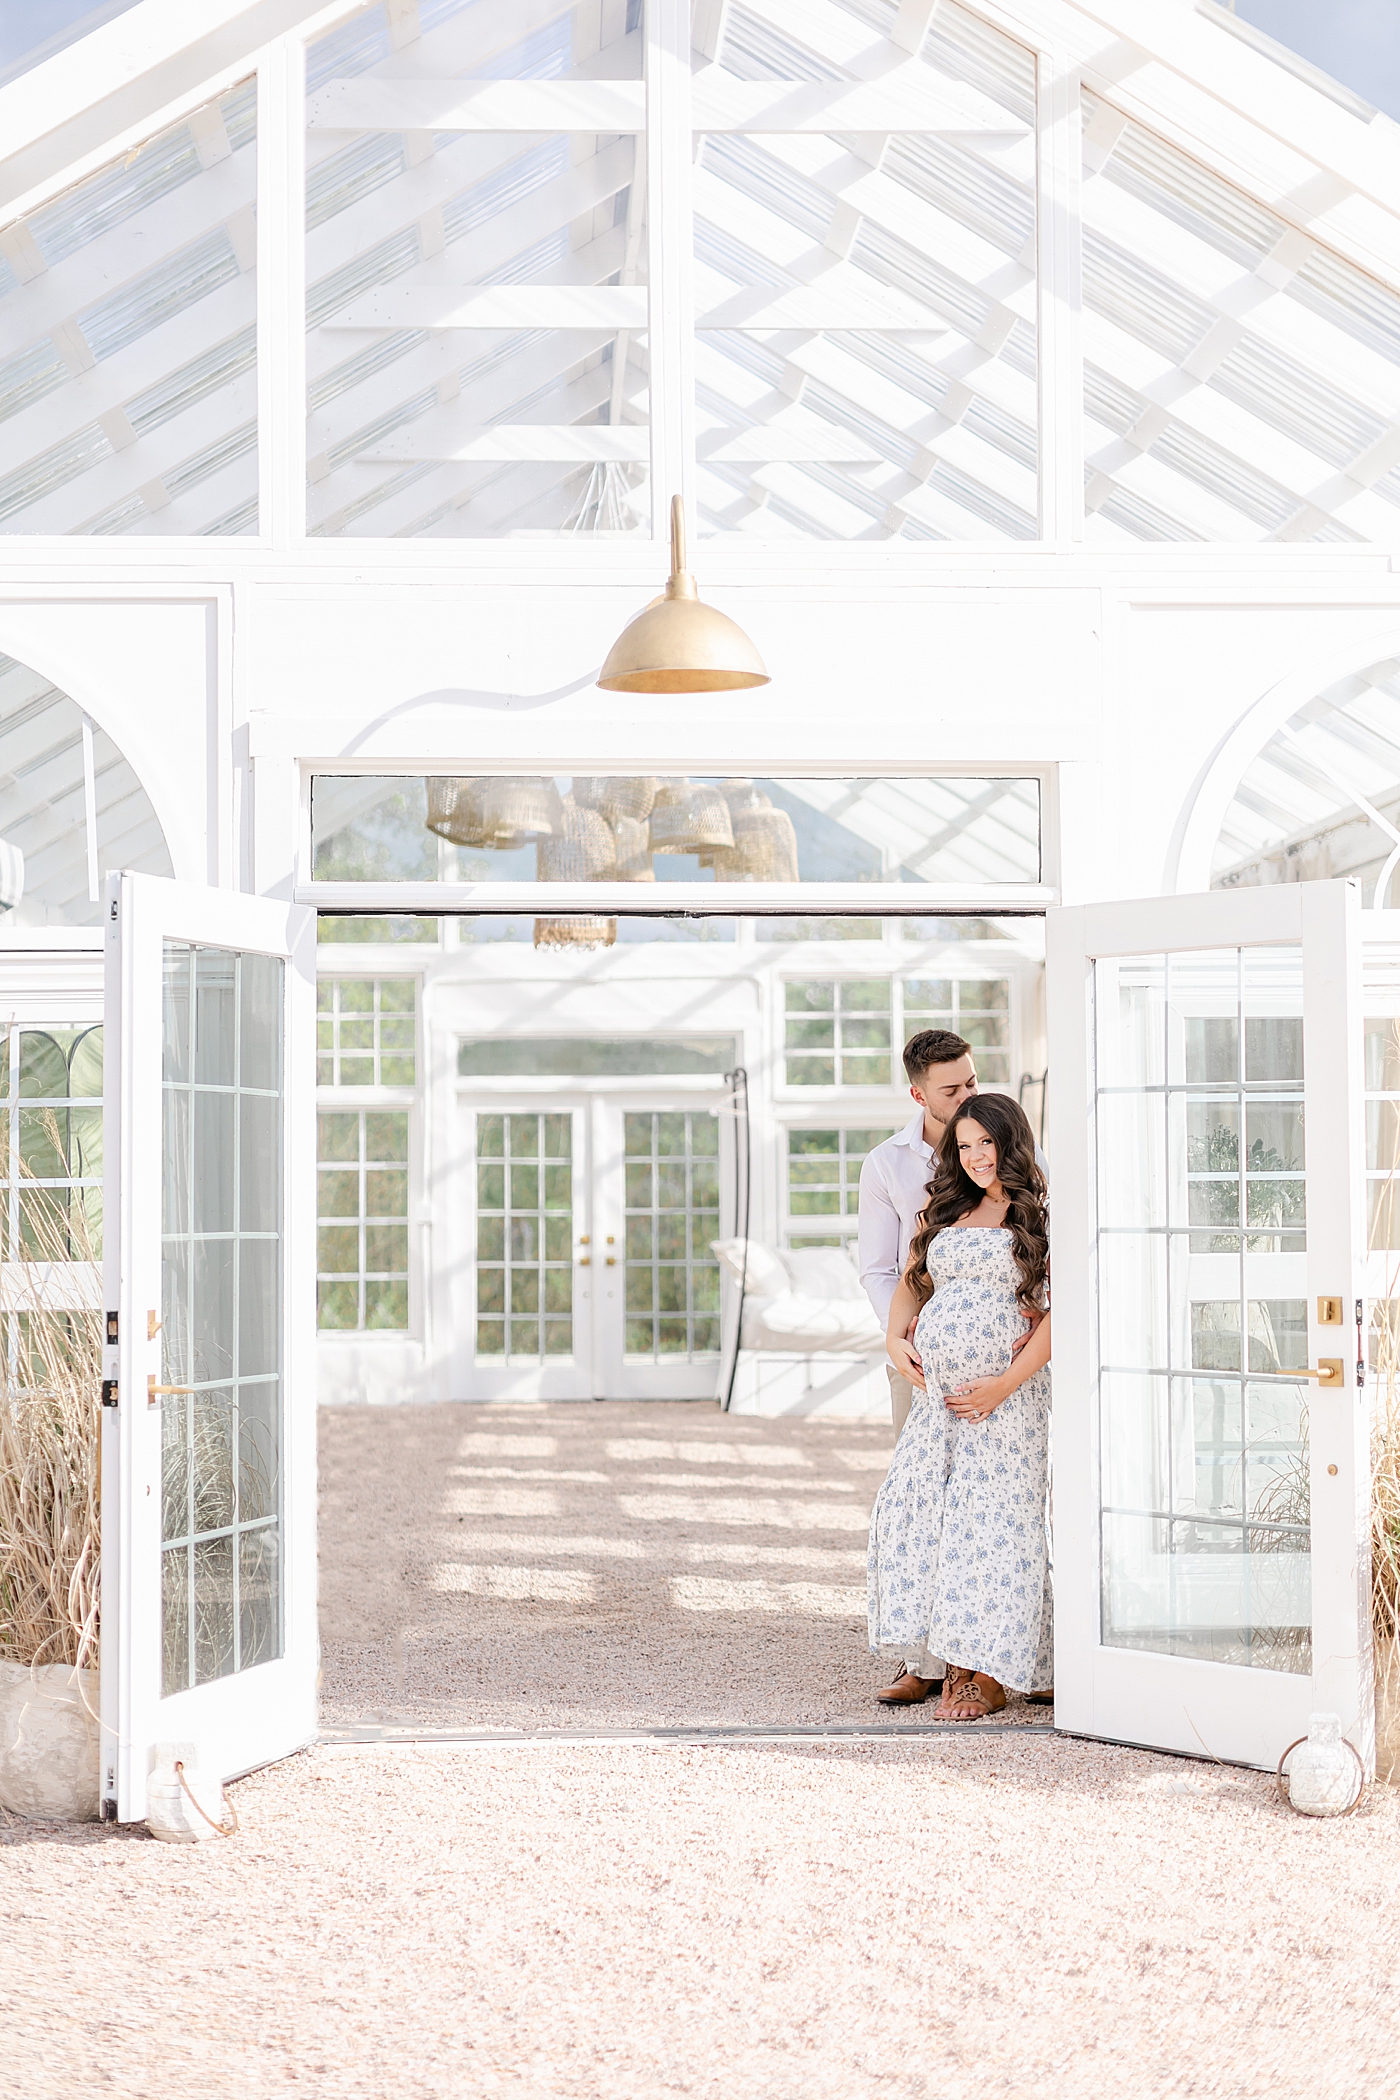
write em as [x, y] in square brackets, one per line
[49, 1741]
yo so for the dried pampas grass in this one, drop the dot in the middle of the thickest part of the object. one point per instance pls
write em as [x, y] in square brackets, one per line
[50, 1415]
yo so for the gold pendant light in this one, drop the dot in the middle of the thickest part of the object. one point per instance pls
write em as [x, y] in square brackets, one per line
[678, 645]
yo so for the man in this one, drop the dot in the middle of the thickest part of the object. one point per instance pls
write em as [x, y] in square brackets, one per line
[895, 1176]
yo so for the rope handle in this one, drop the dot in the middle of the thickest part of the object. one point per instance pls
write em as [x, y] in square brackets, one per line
[1282, 1782]
[218, 1828]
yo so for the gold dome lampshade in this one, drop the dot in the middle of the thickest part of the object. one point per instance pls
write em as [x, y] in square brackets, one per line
[678, 645]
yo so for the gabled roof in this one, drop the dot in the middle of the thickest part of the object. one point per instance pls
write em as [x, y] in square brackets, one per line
[866, 356]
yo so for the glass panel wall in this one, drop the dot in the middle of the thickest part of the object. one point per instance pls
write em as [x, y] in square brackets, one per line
[865, 281]
[476, 273]
[1202, 1284]
[51, 1144]
[221, 1314]
[128, 394]
[1240, 379]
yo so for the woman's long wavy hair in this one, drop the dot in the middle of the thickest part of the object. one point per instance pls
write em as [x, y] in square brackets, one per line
[952, 1194]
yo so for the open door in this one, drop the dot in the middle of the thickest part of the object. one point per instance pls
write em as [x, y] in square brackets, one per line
[209, 1433]
[1211, 1434]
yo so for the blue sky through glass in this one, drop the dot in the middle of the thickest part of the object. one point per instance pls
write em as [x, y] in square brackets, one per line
[1356, 41]
[31, 30]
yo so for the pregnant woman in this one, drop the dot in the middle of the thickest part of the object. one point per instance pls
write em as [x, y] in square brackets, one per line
[958, 1569]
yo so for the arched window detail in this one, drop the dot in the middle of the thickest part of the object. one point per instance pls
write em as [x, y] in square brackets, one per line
[1323, 796]
[70, 802]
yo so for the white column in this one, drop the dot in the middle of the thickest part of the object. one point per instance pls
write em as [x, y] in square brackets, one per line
[281, 291]
[1060, 355]
[670, 245]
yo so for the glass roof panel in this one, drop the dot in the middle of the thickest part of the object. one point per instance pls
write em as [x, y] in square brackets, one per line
[521, 428]
[1243, 383]
[893, 392]
[128, 389]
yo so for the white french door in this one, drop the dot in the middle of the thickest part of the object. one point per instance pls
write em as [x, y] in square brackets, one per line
[209, 1427]
[591, 1223]
[1209, 1271]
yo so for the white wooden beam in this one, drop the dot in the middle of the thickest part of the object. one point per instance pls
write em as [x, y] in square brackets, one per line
[281, 292]
[670, 246]
[1059, 338]
[604, 307]
[914, 99]
[574, 442]
[372, 104]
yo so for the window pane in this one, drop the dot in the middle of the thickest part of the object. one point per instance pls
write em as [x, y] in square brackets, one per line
[810, 383]
[128, 341]
[1265, 435]
[476, 297]
[221, 1306]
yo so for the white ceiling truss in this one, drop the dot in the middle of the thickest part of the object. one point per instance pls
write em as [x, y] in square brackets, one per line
[560, 257]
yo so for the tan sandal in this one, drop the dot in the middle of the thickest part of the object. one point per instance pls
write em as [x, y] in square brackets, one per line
[976, 1690]
[909, 1690]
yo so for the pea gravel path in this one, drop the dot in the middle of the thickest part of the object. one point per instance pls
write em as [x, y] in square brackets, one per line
[1006, 1914]
[605, 1565]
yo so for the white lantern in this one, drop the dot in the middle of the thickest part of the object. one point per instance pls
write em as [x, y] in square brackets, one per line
[1326, 1776]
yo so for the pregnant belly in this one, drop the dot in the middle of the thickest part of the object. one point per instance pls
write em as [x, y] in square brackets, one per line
[963, 1334]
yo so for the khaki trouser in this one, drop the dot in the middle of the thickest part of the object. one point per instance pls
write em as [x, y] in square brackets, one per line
[901, 1399]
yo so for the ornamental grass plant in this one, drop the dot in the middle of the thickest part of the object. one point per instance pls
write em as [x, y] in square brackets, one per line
[50, 1416]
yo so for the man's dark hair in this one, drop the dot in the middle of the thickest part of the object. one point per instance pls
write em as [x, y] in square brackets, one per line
[932, 1046]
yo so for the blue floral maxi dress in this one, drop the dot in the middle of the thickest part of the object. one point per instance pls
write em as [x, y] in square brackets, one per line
[958, 1566]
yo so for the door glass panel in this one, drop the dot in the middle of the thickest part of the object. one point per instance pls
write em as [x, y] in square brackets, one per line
[220, 1313]
[524, 1236]
[1202, 1290]
[671, 1183]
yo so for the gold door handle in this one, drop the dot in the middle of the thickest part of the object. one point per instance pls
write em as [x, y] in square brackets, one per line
[1329, 1371]
[152, 1389]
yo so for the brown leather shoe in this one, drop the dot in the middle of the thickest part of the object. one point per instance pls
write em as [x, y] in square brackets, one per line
[910, 1690]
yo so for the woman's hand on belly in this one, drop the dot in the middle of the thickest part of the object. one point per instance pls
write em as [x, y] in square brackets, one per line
[977, 1399]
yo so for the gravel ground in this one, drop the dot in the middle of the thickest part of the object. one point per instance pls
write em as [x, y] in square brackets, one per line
[1012, 1913]
[621, 1564]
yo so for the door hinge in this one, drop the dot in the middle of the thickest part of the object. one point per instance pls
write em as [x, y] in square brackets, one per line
[113, 1330]
[109, 1392]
